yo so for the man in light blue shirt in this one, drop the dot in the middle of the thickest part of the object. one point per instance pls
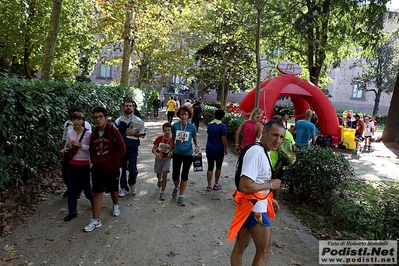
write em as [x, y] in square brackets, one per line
[305, 130]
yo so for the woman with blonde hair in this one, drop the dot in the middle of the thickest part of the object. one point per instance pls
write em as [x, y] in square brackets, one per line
[251, 130]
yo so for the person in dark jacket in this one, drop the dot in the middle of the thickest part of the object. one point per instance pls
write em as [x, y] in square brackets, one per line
[131, 128]
[106, 151]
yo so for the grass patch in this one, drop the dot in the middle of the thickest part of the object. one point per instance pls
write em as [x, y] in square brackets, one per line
[369, 210]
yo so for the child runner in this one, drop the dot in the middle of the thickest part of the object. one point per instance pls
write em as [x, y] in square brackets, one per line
[161, 150]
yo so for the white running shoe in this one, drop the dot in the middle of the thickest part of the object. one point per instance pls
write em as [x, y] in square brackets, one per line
[116, 211]
[94, 223]
[133, 189]
[123, 192]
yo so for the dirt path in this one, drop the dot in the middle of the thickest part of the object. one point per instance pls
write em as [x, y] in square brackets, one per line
[151, 232]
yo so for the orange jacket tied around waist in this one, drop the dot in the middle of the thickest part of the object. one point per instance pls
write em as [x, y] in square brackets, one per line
[244, 204]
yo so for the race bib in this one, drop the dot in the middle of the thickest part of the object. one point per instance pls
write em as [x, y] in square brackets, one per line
[182, 135]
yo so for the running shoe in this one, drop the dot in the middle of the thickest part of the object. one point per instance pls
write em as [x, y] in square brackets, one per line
[162, 196]
[174, 193]
[94, 223]
[133, 189]
[217, 186]
[181, 201]
[116, 211]
[123, 192]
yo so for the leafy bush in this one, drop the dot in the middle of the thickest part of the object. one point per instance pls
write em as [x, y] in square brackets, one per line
[32, 117]
[208, 112]
[371, 210]
[217, 105]
[233, 121]
[319, 175]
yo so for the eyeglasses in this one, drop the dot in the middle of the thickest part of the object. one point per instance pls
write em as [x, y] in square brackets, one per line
[98, 117]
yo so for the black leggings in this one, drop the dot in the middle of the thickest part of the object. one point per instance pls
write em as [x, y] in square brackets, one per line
[178, 160]
[170, 116]
[211, 161]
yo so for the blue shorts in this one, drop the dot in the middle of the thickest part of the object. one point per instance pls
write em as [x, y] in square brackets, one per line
[255, 218]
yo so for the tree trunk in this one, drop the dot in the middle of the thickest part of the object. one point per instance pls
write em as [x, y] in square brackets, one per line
[391, 129]
[257, 54]
[51, 40]
[127, 49]
[377, 102]
[223, 96]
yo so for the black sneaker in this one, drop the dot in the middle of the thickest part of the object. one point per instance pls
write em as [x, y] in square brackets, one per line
[70, 216]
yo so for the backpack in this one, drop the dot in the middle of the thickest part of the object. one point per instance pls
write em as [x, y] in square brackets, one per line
[237, 176]
[285, 153]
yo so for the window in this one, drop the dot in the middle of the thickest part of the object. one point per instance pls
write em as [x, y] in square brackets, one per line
[357, 92]
[105, 71]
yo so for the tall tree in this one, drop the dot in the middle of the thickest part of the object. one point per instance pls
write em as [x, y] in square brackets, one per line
[22, 30]
[226, 62]
[317, 34]
[378, 73]
[161, 36]
[51, 40]
[127, 48]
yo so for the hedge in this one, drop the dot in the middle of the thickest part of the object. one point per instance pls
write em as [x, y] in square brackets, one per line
[32, 117]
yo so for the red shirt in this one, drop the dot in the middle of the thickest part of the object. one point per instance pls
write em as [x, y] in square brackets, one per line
[163, 145]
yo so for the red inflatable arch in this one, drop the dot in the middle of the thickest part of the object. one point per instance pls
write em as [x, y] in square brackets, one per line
[303, 94]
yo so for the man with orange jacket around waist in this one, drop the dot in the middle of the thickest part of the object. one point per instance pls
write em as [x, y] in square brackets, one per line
[255, 203]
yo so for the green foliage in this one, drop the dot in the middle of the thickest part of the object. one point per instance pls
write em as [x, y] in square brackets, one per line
[218, 105]
[32, 118]
[320, 175]
[23, 30]
[379, 70]
[370, 209]
[233, 121]
[367, 211]
[208, 112]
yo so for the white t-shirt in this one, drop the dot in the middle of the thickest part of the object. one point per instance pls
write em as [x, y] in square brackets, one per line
[256, 166]
[368, 129]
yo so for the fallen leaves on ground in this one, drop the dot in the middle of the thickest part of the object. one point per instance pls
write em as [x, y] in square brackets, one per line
[21, 202]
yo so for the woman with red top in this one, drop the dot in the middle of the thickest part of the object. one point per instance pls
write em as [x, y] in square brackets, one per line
[251, 130]
[77, 143]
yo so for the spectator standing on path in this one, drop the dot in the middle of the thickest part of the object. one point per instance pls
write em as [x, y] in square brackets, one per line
[68, 125]
[77, 143]
[136, 111]
[368, 133]
[170, 108]
[305, 130]
[255, 185]
[216, 148]
[188, 103]
[358, 124]
[162, 101]
[184, 136]
[284, 117]
[156, 103]
[197, 114]
[106, 151]
[251, 130]
[161, 151]
[131, 127]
